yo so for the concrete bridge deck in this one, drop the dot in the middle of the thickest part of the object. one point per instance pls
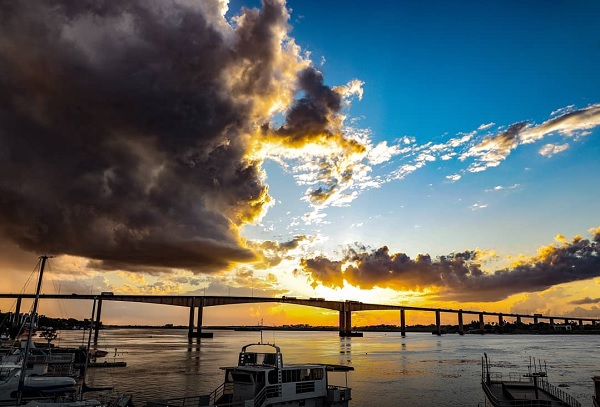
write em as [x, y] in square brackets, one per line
[345, 308]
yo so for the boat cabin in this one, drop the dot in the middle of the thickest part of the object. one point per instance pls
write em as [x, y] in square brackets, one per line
[262, 380]
[260, 374]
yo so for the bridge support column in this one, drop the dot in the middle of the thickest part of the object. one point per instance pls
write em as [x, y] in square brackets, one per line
[97, 323]
[342, 324]
[535, 320]
[199, 324]
[348, 317]
[191, 321]
[566, 321]
[518, 320]
[481, 322]
[461, 330]
[402, 322]
[500, 320]
[438, 323]
[581, 322]
[551, 321]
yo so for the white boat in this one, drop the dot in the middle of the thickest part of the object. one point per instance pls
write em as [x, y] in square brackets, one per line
[21, 387]
[530, 389]
[33, 387]
[261, 379]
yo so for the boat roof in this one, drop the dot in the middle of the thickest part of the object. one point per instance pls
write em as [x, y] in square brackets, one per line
[328, 367]
[339, 368]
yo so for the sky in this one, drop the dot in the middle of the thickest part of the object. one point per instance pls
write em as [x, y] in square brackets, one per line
[435, 154]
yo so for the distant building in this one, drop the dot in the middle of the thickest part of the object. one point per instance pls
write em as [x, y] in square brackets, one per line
[562, 327]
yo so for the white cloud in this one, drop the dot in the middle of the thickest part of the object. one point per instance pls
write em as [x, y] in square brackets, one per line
[550, 150]
[478, 206]
[501, 187]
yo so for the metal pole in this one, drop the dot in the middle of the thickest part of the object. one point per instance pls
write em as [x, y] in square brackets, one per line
[87, 356]
[97, 322]
[30, 335]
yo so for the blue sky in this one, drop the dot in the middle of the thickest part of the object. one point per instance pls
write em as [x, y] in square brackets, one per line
[435, 70]
[437, 153]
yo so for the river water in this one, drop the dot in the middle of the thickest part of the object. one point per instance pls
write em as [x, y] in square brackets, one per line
[417, 370]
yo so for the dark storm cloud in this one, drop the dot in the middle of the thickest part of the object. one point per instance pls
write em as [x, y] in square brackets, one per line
[272, 253]
[458, 276]
[125, 127]
[314, 118]
[586, 300]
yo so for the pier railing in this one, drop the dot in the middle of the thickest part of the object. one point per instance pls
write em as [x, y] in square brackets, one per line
[566, 400]
[558, 393]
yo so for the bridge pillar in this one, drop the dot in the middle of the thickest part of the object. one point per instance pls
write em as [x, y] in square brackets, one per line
[518, 320]
[535, 320]
[200, 312]
[438, 323]
[566, 321]
[97, 323]
[402, 322]
[191, 321]
[461, 330]
[581, 322]
[551, 321]
[500, 320]
[481, 322]
[348, 324]
[342, 324]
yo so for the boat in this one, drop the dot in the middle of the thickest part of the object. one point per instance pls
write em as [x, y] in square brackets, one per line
[530, 389]
[19, 387]
[33, 387]
[260, 379]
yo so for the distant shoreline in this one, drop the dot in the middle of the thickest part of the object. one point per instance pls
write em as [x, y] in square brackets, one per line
[412, 329]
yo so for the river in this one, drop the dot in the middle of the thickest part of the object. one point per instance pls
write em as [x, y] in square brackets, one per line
[417, 370]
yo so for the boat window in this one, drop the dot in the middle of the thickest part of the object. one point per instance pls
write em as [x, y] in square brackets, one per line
[249, 359]
[252, 358]
[290, 376]
[242, 377]
[272, 376]
[269, 359]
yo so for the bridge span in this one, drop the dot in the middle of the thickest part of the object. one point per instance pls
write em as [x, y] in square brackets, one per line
[345, 309]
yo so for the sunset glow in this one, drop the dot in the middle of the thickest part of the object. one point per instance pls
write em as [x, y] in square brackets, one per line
[405, 154]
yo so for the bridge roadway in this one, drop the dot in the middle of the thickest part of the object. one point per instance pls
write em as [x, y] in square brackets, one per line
[345, 309]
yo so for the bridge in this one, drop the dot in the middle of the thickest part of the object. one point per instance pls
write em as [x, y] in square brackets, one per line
[345, 309]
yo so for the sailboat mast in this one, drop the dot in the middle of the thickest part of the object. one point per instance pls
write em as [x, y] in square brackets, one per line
[30, 335]
[87, 350]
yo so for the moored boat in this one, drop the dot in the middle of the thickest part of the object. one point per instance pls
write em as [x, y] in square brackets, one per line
[261, 379]
[20, 386]
[530, 389]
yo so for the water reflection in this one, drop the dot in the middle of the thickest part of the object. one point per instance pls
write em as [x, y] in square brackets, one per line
[420, 369]
[192, 342]
[345, 350]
